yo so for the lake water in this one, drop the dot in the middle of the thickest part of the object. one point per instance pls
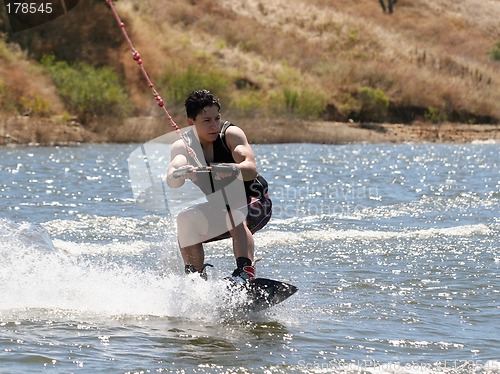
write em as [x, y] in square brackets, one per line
[395, 250]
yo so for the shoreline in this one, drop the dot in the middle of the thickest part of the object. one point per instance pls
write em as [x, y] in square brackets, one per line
[25, 131]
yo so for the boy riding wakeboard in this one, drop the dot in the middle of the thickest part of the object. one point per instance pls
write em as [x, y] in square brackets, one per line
[231, 167]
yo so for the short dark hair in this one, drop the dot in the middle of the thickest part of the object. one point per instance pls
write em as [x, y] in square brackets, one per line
[198, 100]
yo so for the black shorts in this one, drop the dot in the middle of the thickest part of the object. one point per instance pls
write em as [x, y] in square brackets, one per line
[259, 214]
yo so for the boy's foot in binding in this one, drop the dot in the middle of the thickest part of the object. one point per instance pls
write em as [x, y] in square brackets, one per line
[189, 269]
[244, 271]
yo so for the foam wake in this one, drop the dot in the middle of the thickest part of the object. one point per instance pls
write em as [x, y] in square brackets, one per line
[63, 277]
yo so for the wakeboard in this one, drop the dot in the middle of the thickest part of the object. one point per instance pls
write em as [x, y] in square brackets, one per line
[261, 293]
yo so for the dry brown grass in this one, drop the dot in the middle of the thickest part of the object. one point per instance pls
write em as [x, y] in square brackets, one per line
[26, 87]
[429, 53]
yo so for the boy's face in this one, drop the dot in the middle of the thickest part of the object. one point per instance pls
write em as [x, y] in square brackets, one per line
[207, 124]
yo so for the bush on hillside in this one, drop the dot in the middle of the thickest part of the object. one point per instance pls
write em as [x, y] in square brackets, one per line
[373, 104]
[24, 105]
[495, 52]
[88, 91]
[303, 104]
[34, 105]
[435, 115]
[17, 101]
[177, 84]
[247, 103]
[6, 104]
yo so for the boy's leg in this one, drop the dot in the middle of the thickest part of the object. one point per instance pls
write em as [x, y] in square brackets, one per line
[243, 248]
[191, 225]
[243, 243]
[193, 257]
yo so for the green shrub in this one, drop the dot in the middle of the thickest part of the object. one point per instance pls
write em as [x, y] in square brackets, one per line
[311, 104]
[4, 51]
[303, 104]
[435, 115]
[87, 90]
[248, 104]
[349, 106]
[177, 84]
[291, 99]
[353, 36]
[495, 52]
[373, 104]
[7, 103]
[38, 105]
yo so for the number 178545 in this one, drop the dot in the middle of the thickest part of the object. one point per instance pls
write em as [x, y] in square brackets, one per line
[28, 8]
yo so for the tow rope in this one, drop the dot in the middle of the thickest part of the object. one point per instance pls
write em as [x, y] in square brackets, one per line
[137, 58]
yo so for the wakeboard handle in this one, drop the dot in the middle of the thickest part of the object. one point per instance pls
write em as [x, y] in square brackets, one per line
[233, 170]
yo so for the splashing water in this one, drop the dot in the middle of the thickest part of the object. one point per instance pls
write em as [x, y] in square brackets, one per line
[36, 274]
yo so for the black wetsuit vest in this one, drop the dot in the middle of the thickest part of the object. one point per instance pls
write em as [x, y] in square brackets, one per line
[256, 188]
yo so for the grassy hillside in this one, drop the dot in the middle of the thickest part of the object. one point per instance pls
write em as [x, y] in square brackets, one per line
[293, 59]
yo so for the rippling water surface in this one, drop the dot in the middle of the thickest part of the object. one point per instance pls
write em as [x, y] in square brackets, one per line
[395, 249]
